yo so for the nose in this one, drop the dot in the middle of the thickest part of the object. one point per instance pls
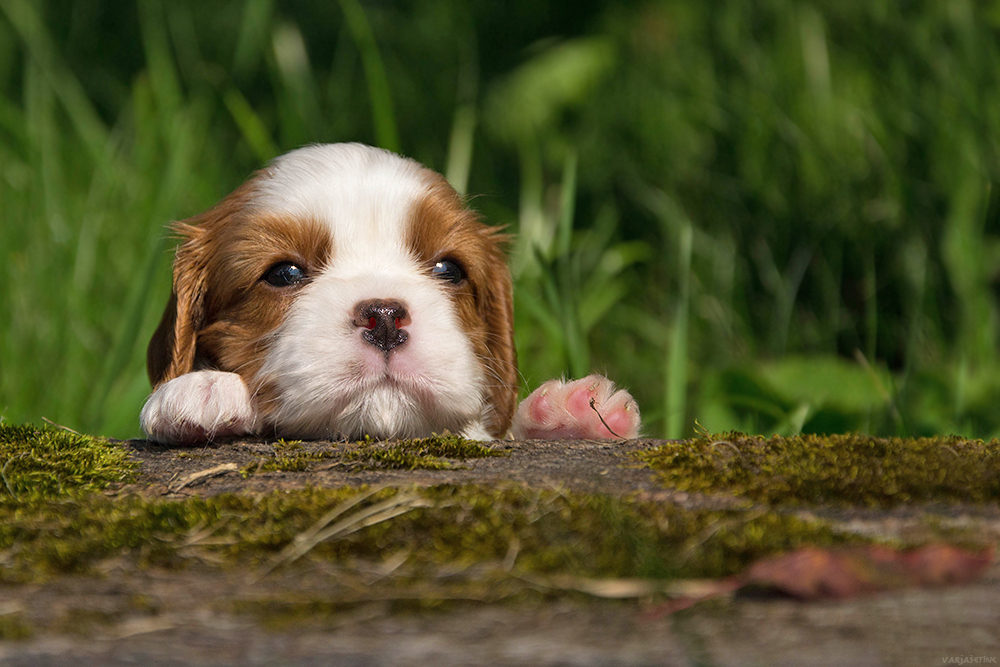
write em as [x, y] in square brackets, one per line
[383, 321]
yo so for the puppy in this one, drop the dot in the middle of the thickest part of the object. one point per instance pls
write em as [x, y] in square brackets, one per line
[345, 291]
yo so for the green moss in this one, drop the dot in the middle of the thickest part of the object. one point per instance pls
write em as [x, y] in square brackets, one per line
[85, 622]
[45, 462]
[295, 462]
[498, 536]
[840, 469]
[433, 453]
[300, 610]
[59, 525]
[288, 457]
[279, 615]
[600, 535]
[144, 603]
[451, 446]
[428, 453]
[72, 534]
[14, 627]
[454, 527]
[395, 457]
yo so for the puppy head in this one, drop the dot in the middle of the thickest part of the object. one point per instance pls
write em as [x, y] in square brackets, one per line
[353, 292]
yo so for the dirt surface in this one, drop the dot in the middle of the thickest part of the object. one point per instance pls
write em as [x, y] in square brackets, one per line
[201, 616]
[579, 465]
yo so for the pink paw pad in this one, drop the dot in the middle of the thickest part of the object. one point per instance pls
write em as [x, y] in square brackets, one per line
[589, 408]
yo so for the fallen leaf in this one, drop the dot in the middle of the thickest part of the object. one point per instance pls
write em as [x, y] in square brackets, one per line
[942, 565]
[813, 573]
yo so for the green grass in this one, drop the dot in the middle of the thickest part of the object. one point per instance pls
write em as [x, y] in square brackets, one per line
[701, 194]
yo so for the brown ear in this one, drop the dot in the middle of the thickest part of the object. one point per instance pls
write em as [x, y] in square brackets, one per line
[171, 351]
[498, 314]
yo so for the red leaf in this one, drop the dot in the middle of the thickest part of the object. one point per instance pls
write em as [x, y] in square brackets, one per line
[813, 573]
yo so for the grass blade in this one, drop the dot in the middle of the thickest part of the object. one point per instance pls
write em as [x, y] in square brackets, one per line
[378, 83]
[677, 360]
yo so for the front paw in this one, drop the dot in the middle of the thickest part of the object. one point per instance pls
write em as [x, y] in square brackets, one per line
[589, 408]
[198, 407]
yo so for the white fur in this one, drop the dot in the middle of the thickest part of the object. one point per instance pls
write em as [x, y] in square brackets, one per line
[332, 383]
[198, 406]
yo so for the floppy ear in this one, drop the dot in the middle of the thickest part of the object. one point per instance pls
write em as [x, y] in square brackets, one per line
[498, 314]
[171, 351]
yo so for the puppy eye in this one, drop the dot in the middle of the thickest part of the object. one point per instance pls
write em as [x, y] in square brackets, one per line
[284, 274]
[449, 270]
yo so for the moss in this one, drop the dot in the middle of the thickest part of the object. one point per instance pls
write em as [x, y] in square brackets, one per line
[145, 604]
[842, 470]
[69, 528]
[278, 614]
[299, 610]
[294, 462]
[72, 534]
[288, 457]
[434, 453]
[46, 462]
[498, 536]
[14, 627]
[396, 457]
[85, 622]
[428, 453]
[600, 535]
[451, 446]
[549, 531]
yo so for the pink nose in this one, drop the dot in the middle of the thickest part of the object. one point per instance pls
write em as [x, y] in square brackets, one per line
[383, 321]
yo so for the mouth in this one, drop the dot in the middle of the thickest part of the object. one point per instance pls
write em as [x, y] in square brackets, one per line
[416, 389]
[392, 369]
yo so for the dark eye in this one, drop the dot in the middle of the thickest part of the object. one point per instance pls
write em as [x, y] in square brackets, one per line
[449, 270]
[284, 274]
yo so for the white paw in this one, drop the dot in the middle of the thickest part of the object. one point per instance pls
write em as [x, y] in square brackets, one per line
[198, 407]
[477, 432]
[575, 410]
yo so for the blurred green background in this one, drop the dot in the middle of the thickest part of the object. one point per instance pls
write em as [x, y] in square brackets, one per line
[771, 216]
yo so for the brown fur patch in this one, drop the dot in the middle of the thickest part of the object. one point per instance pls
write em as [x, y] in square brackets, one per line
[442, 227]
[221, 313]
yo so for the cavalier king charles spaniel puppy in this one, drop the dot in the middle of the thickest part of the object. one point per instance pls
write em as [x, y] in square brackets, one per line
[345, 291]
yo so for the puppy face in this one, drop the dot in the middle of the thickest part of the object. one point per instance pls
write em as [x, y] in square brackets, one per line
[353, 292]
